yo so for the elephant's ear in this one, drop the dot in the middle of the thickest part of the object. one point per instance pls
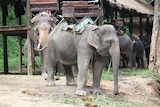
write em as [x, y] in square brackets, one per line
[93, 38]
[33, 19]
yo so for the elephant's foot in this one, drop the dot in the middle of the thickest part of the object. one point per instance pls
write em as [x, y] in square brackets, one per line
[96, 91]
[115, 92]
[44, 74]
[50, 83]
[81, 92]
[60, 74]
[71, 83]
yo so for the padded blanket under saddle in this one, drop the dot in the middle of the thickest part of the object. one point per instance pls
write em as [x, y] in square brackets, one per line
[78, 27]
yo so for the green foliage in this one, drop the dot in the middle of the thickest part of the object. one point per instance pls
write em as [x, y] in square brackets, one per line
[0, 16]
[1, 44]
[12, 19]
[127, 30]
[12, 64]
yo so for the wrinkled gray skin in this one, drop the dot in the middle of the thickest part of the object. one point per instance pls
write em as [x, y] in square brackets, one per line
[42, 25]
[139, 54]
[86, 50]
[126, 50]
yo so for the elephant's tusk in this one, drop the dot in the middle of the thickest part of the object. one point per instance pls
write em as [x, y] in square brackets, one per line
[41, 48]
[38, 47]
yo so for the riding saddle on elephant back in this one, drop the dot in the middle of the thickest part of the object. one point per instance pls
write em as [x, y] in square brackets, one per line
[77, 28]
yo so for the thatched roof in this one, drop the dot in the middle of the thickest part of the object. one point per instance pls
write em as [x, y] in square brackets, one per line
[139, 5]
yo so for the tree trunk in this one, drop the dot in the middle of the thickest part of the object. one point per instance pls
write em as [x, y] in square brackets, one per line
[154, 59]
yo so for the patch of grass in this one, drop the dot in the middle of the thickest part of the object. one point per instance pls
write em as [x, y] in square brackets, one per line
[13, 63]
[98, 101]
[143, 73]
[107, 74]
[72, 101]
[1, 64]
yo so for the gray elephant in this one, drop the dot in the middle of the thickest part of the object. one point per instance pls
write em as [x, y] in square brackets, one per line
[126, 50]
[146, 42]
[86, 49]
[42, 25]
[139, 55]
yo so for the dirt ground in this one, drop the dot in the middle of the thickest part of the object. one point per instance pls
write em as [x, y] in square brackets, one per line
[31, 91]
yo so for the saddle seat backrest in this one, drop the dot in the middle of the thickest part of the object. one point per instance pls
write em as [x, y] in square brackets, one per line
[43, 5]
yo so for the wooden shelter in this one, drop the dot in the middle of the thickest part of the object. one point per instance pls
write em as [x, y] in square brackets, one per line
[140, 6]
[130, 11]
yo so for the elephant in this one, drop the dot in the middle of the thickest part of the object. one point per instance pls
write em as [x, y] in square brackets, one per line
[146, 41]
[86, 49]
[139, 54]
[42, 25]
[126, 50]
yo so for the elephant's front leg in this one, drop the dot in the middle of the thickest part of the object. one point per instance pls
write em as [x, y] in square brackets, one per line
[83, 65]
[97, 72]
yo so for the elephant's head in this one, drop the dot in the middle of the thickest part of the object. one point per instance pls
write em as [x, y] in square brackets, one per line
[42, 25]
[106, 42]
[102, 38]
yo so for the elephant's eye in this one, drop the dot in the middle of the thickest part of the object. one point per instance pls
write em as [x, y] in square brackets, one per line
[50, 29]
[36, 32]
[104, 42]
[107, 43]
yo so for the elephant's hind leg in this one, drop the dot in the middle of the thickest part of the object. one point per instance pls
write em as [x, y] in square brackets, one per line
[69, 76]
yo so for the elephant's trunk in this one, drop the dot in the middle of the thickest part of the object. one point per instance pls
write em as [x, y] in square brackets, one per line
[43, 35]
[115, 54]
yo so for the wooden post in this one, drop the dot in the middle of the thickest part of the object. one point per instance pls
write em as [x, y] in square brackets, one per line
[140, 24]
[4, 14]
[101, 15]
[30, 66]
[20, 53]
[20, 47]
[131, 22]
